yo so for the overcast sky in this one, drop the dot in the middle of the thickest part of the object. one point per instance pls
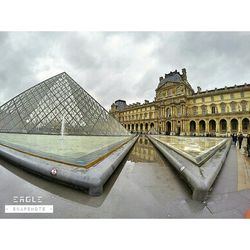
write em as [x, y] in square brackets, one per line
[122, 65]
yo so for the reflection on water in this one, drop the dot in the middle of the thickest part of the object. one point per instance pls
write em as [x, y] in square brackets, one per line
[195, 149]
[143, 176]
[191, 145]
[143, 151]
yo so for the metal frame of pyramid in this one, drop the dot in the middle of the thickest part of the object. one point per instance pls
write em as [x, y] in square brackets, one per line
[42, 108]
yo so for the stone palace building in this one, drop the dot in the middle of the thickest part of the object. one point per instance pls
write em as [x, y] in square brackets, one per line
[178, 110]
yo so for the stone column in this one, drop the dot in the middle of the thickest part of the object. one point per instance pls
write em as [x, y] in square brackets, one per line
[172, 127]
[217, 127]
[229, 129]
[239, 125]
[197, 127]
[207, 126]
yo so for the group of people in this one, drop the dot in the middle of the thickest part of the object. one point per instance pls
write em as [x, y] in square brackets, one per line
[240, 138]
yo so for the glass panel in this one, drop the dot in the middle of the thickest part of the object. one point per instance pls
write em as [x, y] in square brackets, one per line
[41, 110]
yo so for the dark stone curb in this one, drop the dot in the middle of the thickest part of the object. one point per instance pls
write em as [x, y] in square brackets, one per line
[89, 180]
[199, 184]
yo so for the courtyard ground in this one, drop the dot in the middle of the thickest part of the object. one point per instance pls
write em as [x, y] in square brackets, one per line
[144, 186]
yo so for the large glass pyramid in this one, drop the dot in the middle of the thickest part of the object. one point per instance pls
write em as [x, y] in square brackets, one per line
[56, 102]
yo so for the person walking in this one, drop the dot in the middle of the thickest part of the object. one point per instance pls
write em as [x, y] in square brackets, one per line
[248, 145]
[234, 139]
[240, 139]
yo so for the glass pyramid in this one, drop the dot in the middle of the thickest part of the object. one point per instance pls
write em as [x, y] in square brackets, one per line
[56, 102]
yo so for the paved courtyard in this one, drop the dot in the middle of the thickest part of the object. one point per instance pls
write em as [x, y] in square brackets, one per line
[144, 186]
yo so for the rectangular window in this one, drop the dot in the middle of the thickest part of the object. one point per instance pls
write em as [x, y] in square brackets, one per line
[233, 107]
[195, 110]
[213, 110]
[204, 110]
[223, 108]
[244, 106]
[222, 97]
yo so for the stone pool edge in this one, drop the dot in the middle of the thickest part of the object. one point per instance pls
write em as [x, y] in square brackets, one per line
[200, 186]
[89, 180]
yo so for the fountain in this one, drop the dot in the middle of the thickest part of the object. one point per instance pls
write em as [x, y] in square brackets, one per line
[62, 127]
[33, 138]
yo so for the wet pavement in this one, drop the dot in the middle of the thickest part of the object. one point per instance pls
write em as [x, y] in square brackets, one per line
[144, 186]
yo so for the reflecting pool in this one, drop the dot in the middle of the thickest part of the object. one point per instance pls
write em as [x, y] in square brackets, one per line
[75, 150]
[196, 149]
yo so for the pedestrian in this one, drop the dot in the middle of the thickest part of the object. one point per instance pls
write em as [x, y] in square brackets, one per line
[240, 139]
[234, 139]
[248, 145]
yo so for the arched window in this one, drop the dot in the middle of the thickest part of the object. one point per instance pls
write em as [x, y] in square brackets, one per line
[192, 126]
[168, 128]
[136, 127]
[212, 126]
[223, 125]
[234, 125]
[245, 124]
[202, 126]
[141, 127]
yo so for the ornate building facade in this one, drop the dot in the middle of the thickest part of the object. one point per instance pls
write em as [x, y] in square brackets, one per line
[178, 110]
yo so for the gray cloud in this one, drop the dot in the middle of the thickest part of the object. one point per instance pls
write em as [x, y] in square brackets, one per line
[122, 65]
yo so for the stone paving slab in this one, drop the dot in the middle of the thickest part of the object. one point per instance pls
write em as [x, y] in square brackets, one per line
[229, 201]
[228, 214]
[245, 193]
[188, 209]
[227, 179]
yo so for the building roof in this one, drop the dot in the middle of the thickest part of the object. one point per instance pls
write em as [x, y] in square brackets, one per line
[171, 77]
